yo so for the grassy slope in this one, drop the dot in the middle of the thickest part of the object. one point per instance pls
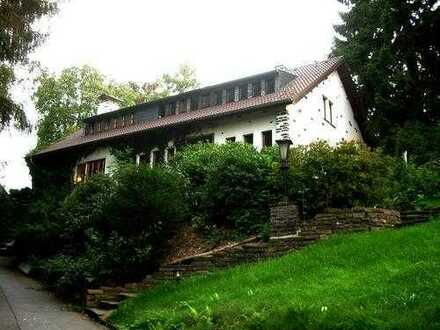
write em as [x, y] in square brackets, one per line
[384, 280]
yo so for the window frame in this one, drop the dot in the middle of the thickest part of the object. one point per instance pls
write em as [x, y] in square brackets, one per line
[254, 84]
[230, 94]
[247, 136]
[243, 92]
[328, 111]
[230, 139]
[263, 138]
[272, 84]
[85, 170]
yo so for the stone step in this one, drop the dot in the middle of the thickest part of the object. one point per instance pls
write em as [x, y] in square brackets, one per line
[127, 295]
[109, 304]
[98, 314]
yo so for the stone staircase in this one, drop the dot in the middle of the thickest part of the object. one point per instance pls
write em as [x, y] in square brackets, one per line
[101, 302]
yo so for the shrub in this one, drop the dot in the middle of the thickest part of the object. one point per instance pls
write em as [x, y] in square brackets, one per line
[228, 185]
[42, 230]
[112, 229]
[5, 214]
[351, 174]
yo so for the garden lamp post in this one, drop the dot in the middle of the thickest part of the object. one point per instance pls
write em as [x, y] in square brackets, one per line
[284, 146]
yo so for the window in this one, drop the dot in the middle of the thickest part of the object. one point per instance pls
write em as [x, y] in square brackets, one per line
[328, 110]
[97, 127]
[171, 153]
[106, 125]
[194, 102]
[142, 159]
[217, 98]
[267, 138]
[243, 92]
[270, 86]
[161, 111]
[256, 88]
[171, 109]
[230, 139]
[206, 138]
[115, 123]
[230, 95]
[156, 157]
[204, 103]
[248, 138]
[89, 129]
[131, 119]
[123, 121]
[181, 106]
[86, 170]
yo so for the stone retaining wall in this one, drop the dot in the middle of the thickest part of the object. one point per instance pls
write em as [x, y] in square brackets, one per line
[250, 250]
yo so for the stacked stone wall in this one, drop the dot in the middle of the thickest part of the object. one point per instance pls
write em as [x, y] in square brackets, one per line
[289, 233]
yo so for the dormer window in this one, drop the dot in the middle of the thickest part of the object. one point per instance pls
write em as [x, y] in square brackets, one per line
[171, 109]
[97, 127]
[217, 98]
[270, 86]
[161, 110]
[204, 103]
[230, 95]
[181, 106]
[194, 102]
[243, 92]
[256, 88]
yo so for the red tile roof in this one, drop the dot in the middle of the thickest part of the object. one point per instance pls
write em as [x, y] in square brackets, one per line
[306, 78]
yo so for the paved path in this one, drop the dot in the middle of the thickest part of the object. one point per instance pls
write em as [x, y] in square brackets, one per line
[25, 305]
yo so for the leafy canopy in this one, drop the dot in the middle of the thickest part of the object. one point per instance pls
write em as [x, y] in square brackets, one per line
[63, 101]
[393, 50]
[18, 37]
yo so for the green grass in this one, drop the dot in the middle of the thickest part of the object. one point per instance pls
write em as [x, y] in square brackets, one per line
[379, 280]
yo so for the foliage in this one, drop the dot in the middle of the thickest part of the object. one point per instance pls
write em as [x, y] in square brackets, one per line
[228, 185]
[18, 37]
[320, 287]
[392, 48]
[182, 81]
[106, 229]
[5, 214]
[351, 174]
[63, 101]
[9, 110]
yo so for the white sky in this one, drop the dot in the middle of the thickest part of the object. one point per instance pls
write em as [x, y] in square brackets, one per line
[139, 40]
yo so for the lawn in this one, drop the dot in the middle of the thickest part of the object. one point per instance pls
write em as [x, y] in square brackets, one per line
[378, 280]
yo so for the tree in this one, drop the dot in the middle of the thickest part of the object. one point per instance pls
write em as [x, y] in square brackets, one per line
[393, 50]
[63, 101]
[18, 37]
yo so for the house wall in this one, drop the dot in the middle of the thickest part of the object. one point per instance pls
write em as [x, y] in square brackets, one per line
[303, 122]
[306, 118]
[100, 153]
[240, 125]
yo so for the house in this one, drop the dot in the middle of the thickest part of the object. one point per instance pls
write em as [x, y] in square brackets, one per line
[309, 103]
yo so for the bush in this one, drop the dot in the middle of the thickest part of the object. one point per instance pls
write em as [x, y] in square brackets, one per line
[351, 174]
[228, 185]
[5, 215]
[112, 229]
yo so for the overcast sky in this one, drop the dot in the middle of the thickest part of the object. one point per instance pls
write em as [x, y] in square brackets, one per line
[139, 40]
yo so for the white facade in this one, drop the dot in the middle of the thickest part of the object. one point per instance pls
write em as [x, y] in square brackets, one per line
[306, 117]
[306, 122]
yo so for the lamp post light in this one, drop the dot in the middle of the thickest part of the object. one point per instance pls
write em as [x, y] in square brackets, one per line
[284, 146]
